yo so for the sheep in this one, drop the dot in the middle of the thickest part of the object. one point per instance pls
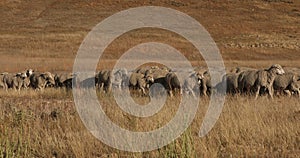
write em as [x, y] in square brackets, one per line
[173, 83]
[146, 69]
[256, 79]
[140, 81]
[192, 83]
[143, 70]
[68, 83]
[157, 72]
[80, 80]
[164, 68]
[87, 83]
[287, 83]
[26, 80]
[14, 81]
[60, 78]
[231, 79]
[158, 75]
[205, 86]
[120, 78]
[39, 81]
[8, 80]
[50, 84]
[104, 80]
[2, 84]
[29, 72]
[158, 90]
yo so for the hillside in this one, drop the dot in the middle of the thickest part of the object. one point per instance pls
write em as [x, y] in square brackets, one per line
[47, 34]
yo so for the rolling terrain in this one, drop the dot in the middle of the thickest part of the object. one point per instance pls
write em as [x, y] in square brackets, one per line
[45, 36]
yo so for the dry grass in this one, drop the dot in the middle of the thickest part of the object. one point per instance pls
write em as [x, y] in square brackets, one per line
[45, 35]
[35, 124]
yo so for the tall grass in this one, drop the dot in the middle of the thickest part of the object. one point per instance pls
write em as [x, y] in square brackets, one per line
[46, 124]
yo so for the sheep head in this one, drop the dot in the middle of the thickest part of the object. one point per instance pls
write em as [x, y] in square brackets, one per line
[278, 69]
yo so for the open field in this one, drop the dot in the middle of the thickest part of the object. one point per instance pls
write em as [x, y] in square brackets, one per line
[45, 36]
[47, 124]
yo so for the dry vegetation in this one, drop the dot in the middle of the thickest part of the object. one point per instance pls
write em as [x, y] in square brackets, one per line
[47, 124]
[45, 35]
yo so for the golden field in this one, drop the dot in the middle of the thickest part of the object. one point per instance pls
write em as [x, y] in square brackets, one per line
[45, 36]
[47, 124]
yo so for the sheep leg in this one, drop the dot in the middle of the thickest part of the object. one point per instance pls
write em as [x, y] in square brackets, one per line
[143, 90]
[241, 88]
[204, 90]
[108, 87]
[295, 89]
[191, 91]
[170, 92]
[270, 91]
[19, 89]
[193, 94]
[287, 92]
[14, 87]
[170, 88]
[298, 91]
[6, 87]
[120, 86]
[101, 85]
[257, 92]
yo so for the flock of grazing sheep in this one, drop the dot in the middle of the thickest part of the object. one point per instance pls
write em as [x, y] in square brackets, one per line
[239, 80]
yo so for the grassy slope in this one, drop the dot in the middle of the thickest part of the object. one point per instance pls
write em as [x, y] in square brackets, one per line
[46, 35]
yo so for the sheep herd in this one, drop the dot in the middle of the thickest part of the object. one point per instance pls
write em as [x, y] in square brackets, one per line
[274, 80]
